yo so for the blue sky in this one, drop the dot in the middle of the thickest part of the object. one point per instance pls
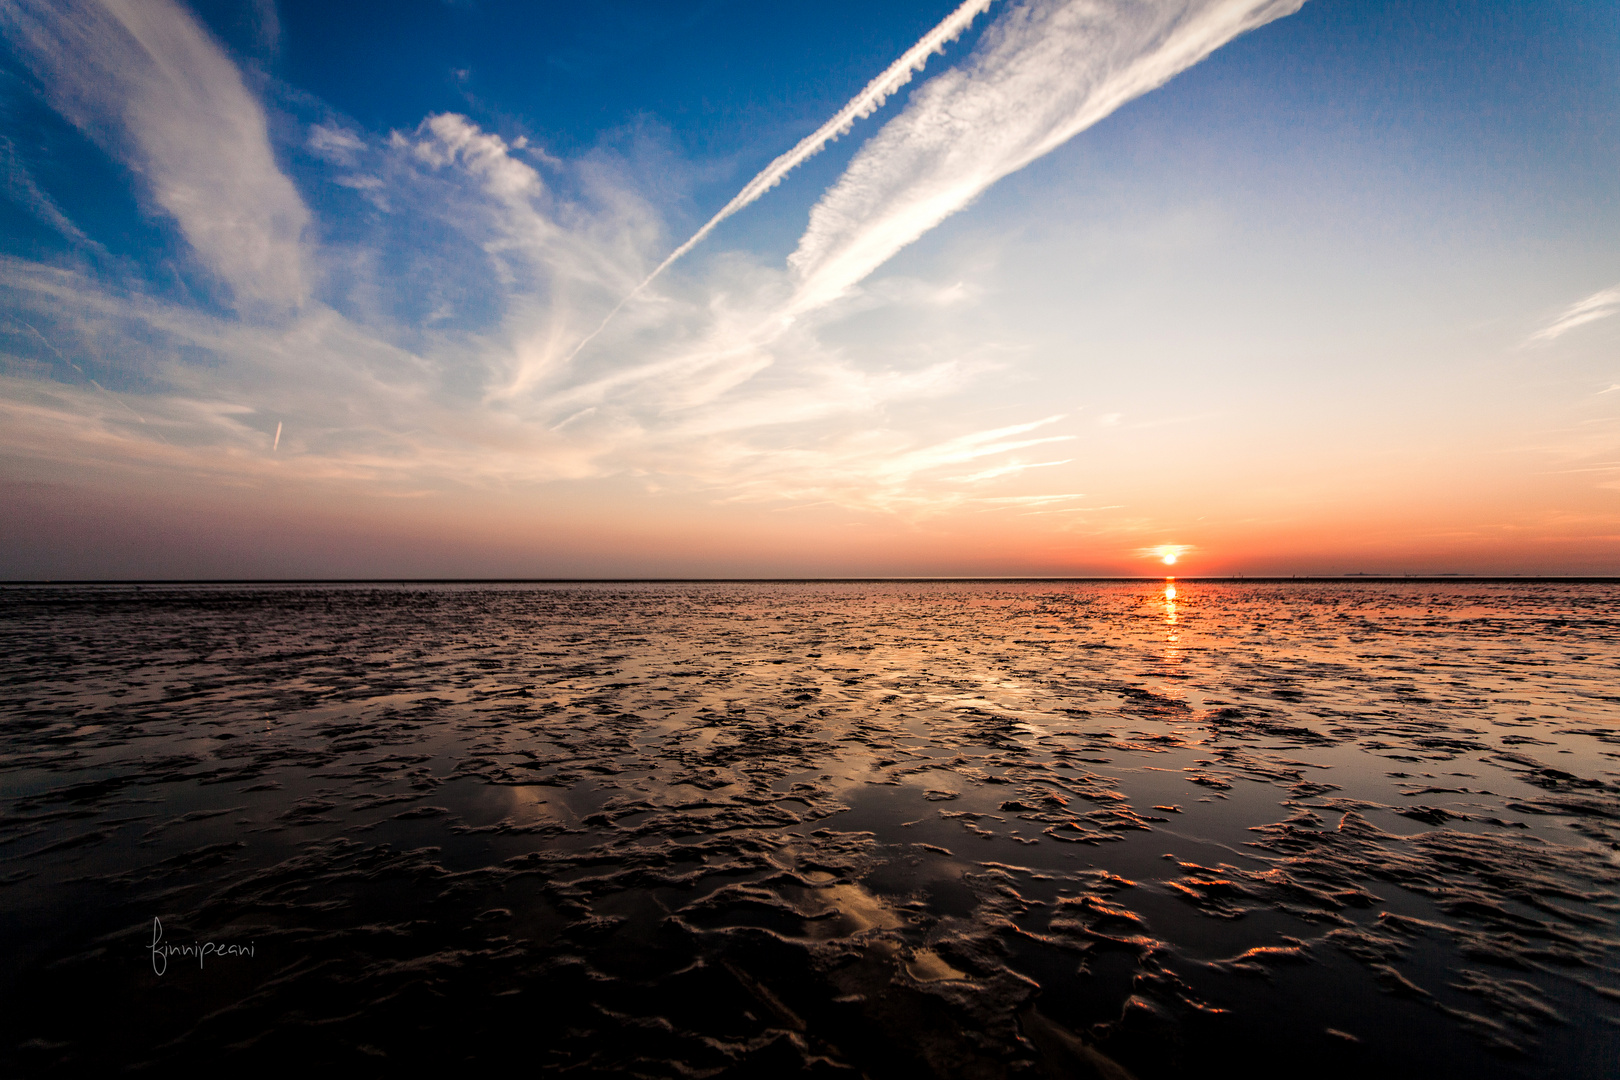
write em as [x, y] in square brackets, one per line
[296, 288]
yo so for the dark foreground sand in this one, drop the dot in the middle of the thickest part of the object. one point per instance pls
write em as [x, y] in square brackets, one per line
[974, 830]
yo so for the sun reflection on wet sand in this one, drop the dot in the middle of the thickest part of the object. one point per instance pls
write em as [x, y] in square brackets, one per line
[1171, 639]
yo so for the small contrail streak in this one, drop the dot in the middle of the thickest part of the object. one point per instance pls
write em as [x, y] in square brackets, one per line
[860, 106]
[43, 340]
[278, 437]
[116, 399]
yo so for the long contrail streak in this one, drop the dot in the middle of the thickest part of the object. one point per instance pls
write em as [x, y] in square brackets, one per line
[859, 107]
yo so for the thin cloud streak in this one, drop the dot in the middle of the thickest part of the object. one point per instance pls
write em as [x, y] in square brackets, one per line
[1600, 305]
[1043, 72]
[22, 187]
[1007, 470]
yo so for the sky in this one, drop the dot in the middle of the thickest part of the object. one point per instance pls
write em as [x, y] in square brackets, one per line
[420, 288]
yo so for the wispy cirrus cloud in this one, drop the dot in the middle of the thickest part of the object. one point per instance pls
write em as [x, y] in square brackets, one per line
[1600, 305]
[21, 187]
[875, 468]
[439, 343]
[1044, 72]
[146, 81]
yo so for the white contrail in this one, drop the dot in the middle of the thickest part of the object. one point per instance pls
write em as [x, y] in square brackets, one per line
[45, 341]
[278, 437]
[1045, 72]
[860, 106]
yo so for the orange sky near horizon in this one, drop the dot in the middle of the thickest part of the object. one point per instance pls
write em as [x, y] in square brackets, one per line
[177, 526]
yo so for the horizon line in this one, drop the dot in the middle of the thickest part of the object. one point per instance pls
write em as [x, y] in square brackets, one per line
[1212, 579]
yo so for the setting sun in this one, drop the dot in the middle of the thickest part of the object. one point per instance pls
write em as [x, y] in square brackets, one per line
[1168, 554]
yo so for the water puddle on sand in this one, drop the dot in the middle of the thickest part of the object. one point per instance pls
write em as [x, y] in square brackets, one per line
[966, 829]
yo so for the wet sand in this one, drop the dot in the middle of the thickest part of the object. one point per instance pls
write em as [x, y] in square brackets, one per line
[953, 829]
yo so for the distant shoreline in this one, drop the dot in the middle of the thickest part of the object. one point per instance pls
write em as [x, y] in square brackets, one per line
[1381, 579]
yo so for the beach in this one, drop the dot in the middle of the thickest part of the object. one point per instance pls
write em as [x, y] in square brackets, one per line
[975, 829]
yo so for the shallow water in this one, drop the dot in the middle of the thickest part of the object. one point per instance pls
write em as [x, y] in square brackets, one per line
[965, 829]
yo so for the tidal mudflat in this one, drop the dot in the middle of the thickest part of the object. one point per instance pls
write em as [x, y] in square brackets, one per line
[953, 829]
